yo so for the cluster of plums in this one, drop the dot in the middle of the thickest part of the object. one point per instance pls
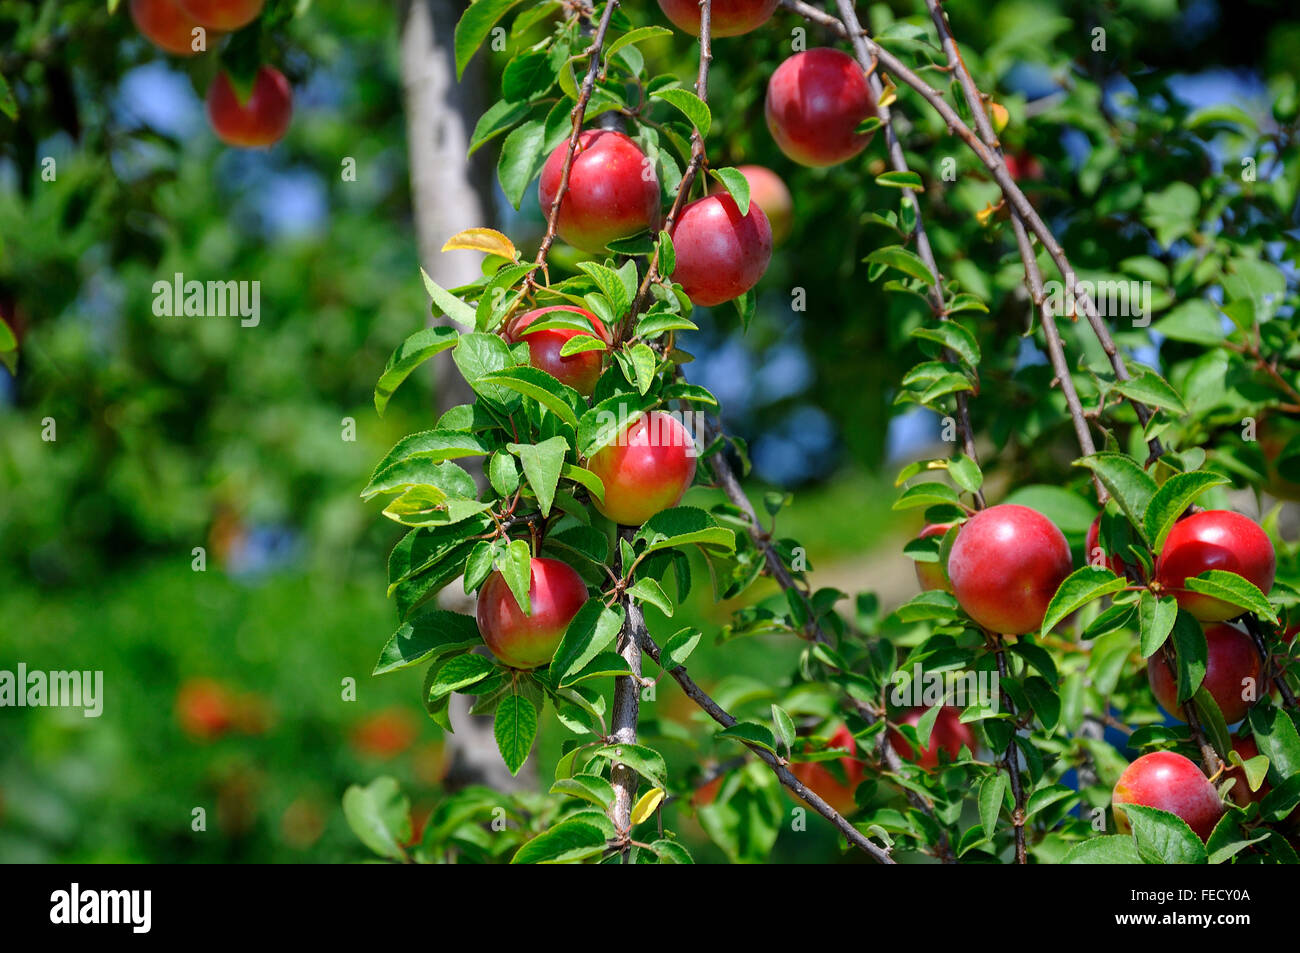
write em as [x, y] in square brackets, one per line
[1007, 562]
[816, 101]
[172, 25]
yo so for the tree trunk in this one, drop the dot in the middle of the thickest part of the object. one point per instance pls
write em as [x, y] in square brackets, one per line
[449, 194]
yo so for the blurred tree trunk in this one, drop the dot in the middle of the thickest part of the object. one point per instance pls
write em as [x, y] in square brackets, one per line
[449, 194]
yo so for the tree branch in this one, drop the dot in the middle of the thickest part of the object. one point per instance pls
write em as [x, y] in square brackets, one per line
[626, 708]
[919, 234]
[778, 765]
[578, 114]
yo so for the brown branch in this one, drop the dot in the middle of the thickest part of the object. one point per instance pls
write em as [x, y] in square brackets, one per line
[626, 709]
[693, 166]
[812, 629]
[1266, 659]
[919, 235]
[1015, 198]
[1033, 273]
[777, 764]
[578, 115]
[1011, 757]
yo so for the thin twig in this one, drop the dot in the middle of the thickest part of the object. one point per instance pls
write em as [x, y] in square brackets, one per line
[1015, 197]
[777, 764]
[578, 115]
[919, 235]
[626, 709]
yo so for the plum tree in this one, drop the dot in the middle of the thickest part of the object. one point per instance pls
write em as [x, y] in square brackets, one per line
[581, 370]
[527, 640]
[1169, 782]
[769, 191]
[948, 735]
[824, 783]
[166, 25]
[728, 17]
[646, 469]
[721, 254]
[223, 15]
[815, 101]
[1215, 539]
[613, 190]
[1005, 565]
[1232, 670]
[260, 121]
[933, 575]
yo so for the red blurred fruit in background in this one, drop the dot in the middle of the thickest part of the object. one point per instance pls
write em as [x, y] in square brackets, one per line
[260, 121]
[948, 734]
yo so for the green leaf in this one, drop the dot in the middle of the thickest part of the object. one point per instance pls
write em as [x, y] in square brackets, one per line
[8, 105]
[586, 787]
[1080, 588]
[900, 259]
[1172, 500]
[521, 157]
[684, 526]
[474, 27]
[591, 631]
[1163, 838]
[611, 285]
[410, 460]
[514, 728]
[993, 792]
[499, 117]
[527, 75]
[566, 842]
[644, 362]
[601, 425]
[734, 181]
[1130, 485]
[784, 725]
[1194, 321]
[751, 733]
[602, 665]
[1107, 849]
[679, 647]
[1275, 733]
[901, 180]
[380, 815]
[644, 761]
[460, 672]
[954, 337]
[503, 473]
[647, 590]
[430, 633]
[926, 494]
[447, 303]
[478, 355]
[582, 342]
[633, 37]
[542, 464]
[1233, 589]
[1153, 390]
[410, 354]
[966, 473]
[690, 106]
[533, 382]
[1192, 651]
[516, 565]
[1156, 619]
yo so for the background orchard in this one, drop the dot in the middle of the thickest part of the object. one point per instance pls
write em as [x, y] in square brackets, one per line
[872, 320]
